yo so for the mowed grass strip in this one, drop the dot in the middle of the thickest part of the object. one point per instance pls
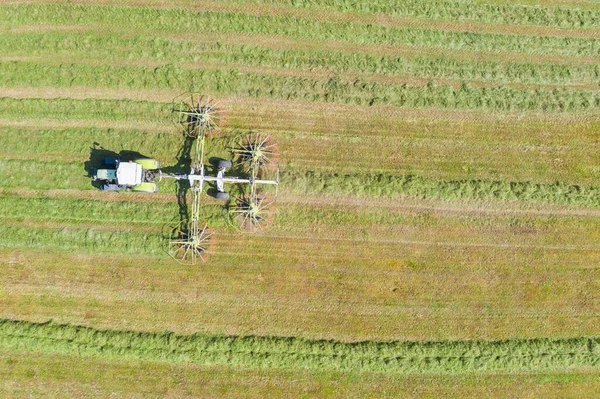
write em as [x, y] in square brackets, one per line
[578, 16]
[386, 223]
[90, 239]
[67, 109]
[108, 47]
[99, 377]
[502, 99]
[316, 136]
[390, 273]
[181, 21]
[419, 147]
[558, 14]
[361, 291]
[49, 144]
[510, 151]
[30, 174]
[294, 353]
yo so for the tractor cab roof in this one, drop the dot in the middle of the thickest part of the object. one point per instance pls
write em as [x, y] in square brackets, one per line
[129, 173]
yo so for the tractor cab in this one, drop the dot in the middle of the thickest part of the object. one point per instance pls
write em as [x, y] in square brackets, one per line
[129, 173]
[138, 175]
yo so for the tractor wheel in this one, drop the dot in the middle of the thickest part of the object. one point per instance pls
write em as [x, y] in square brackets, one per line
[145, 188]
[110, 187]
[220, 195]
[148, 163]
[223, 164]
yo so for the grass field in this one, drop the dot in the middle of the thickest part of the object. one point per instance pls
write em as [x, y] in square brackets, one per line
[437, 226]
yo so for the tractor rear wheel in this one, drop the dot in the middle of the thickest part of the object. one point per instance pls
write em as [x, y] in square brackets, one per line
[223, 164]
[148, 163]
[146, 187]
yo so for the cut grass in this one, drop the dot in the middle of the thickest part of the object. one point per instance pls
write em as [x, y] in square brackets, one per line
[350, 273]
[500, 99]
[406, 292]
[50, 143]
[318, 136]
[303, 219]
[294, 353]
[34, 175]
[461, 10]
[73, 239]
[182, 21]
[66, 109]
[115, 48]
[414, 150]
[44, 375]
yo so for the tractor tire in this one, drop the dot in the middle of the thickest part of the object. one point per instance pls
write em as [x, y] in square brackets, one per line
[223, 164]
[147, 187]
[110, 187]
[220, 195]
[148, 163]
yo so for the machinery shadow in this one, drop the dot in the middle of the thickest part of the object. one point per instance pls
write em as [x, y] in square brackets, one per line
[183, 165]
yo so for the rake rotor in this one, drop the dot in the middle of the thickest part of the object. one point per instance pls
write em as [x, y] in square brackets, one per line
[257, 152]
[199, 115]
[188, 245]
[252, 212]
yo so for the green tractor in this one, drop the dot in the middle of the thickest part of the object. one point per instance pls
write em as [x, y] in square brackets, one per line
[139, 175]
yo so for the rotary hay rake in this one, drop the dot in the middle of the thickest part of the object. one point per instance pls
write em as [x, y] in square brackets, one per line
[190, 243]
[200, 117]
[253, 211]
[256, 155]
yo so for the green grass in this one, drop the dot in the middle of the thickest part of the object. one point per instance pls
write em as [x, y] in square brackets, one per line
[109, 47]
[42, 222]
[34, 175]
[293, 353]
[127, 214]
[410, 264]
[85, 240]
[51, 142]
[97, 211]
[185, 21]
[375, 184]
[459, 10]
[52, 375]
[500, 99]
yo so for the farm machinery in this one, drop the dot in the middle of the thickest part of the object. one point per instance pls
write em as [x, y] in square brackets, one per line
[138, 175]
[200, 118]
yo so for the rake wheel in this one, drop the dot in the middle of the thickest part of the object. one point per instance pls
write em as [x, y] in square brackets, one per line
[188, 245]
[257, 152]
[199, 115]
[252, 212]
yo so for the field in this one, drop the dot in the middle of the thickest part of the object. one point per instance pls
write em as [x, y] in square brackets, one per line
[438, 216]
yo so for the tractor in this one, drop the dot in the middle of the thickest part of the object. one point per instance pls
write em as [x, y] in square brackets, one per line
[200, 118]
[138, 175]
